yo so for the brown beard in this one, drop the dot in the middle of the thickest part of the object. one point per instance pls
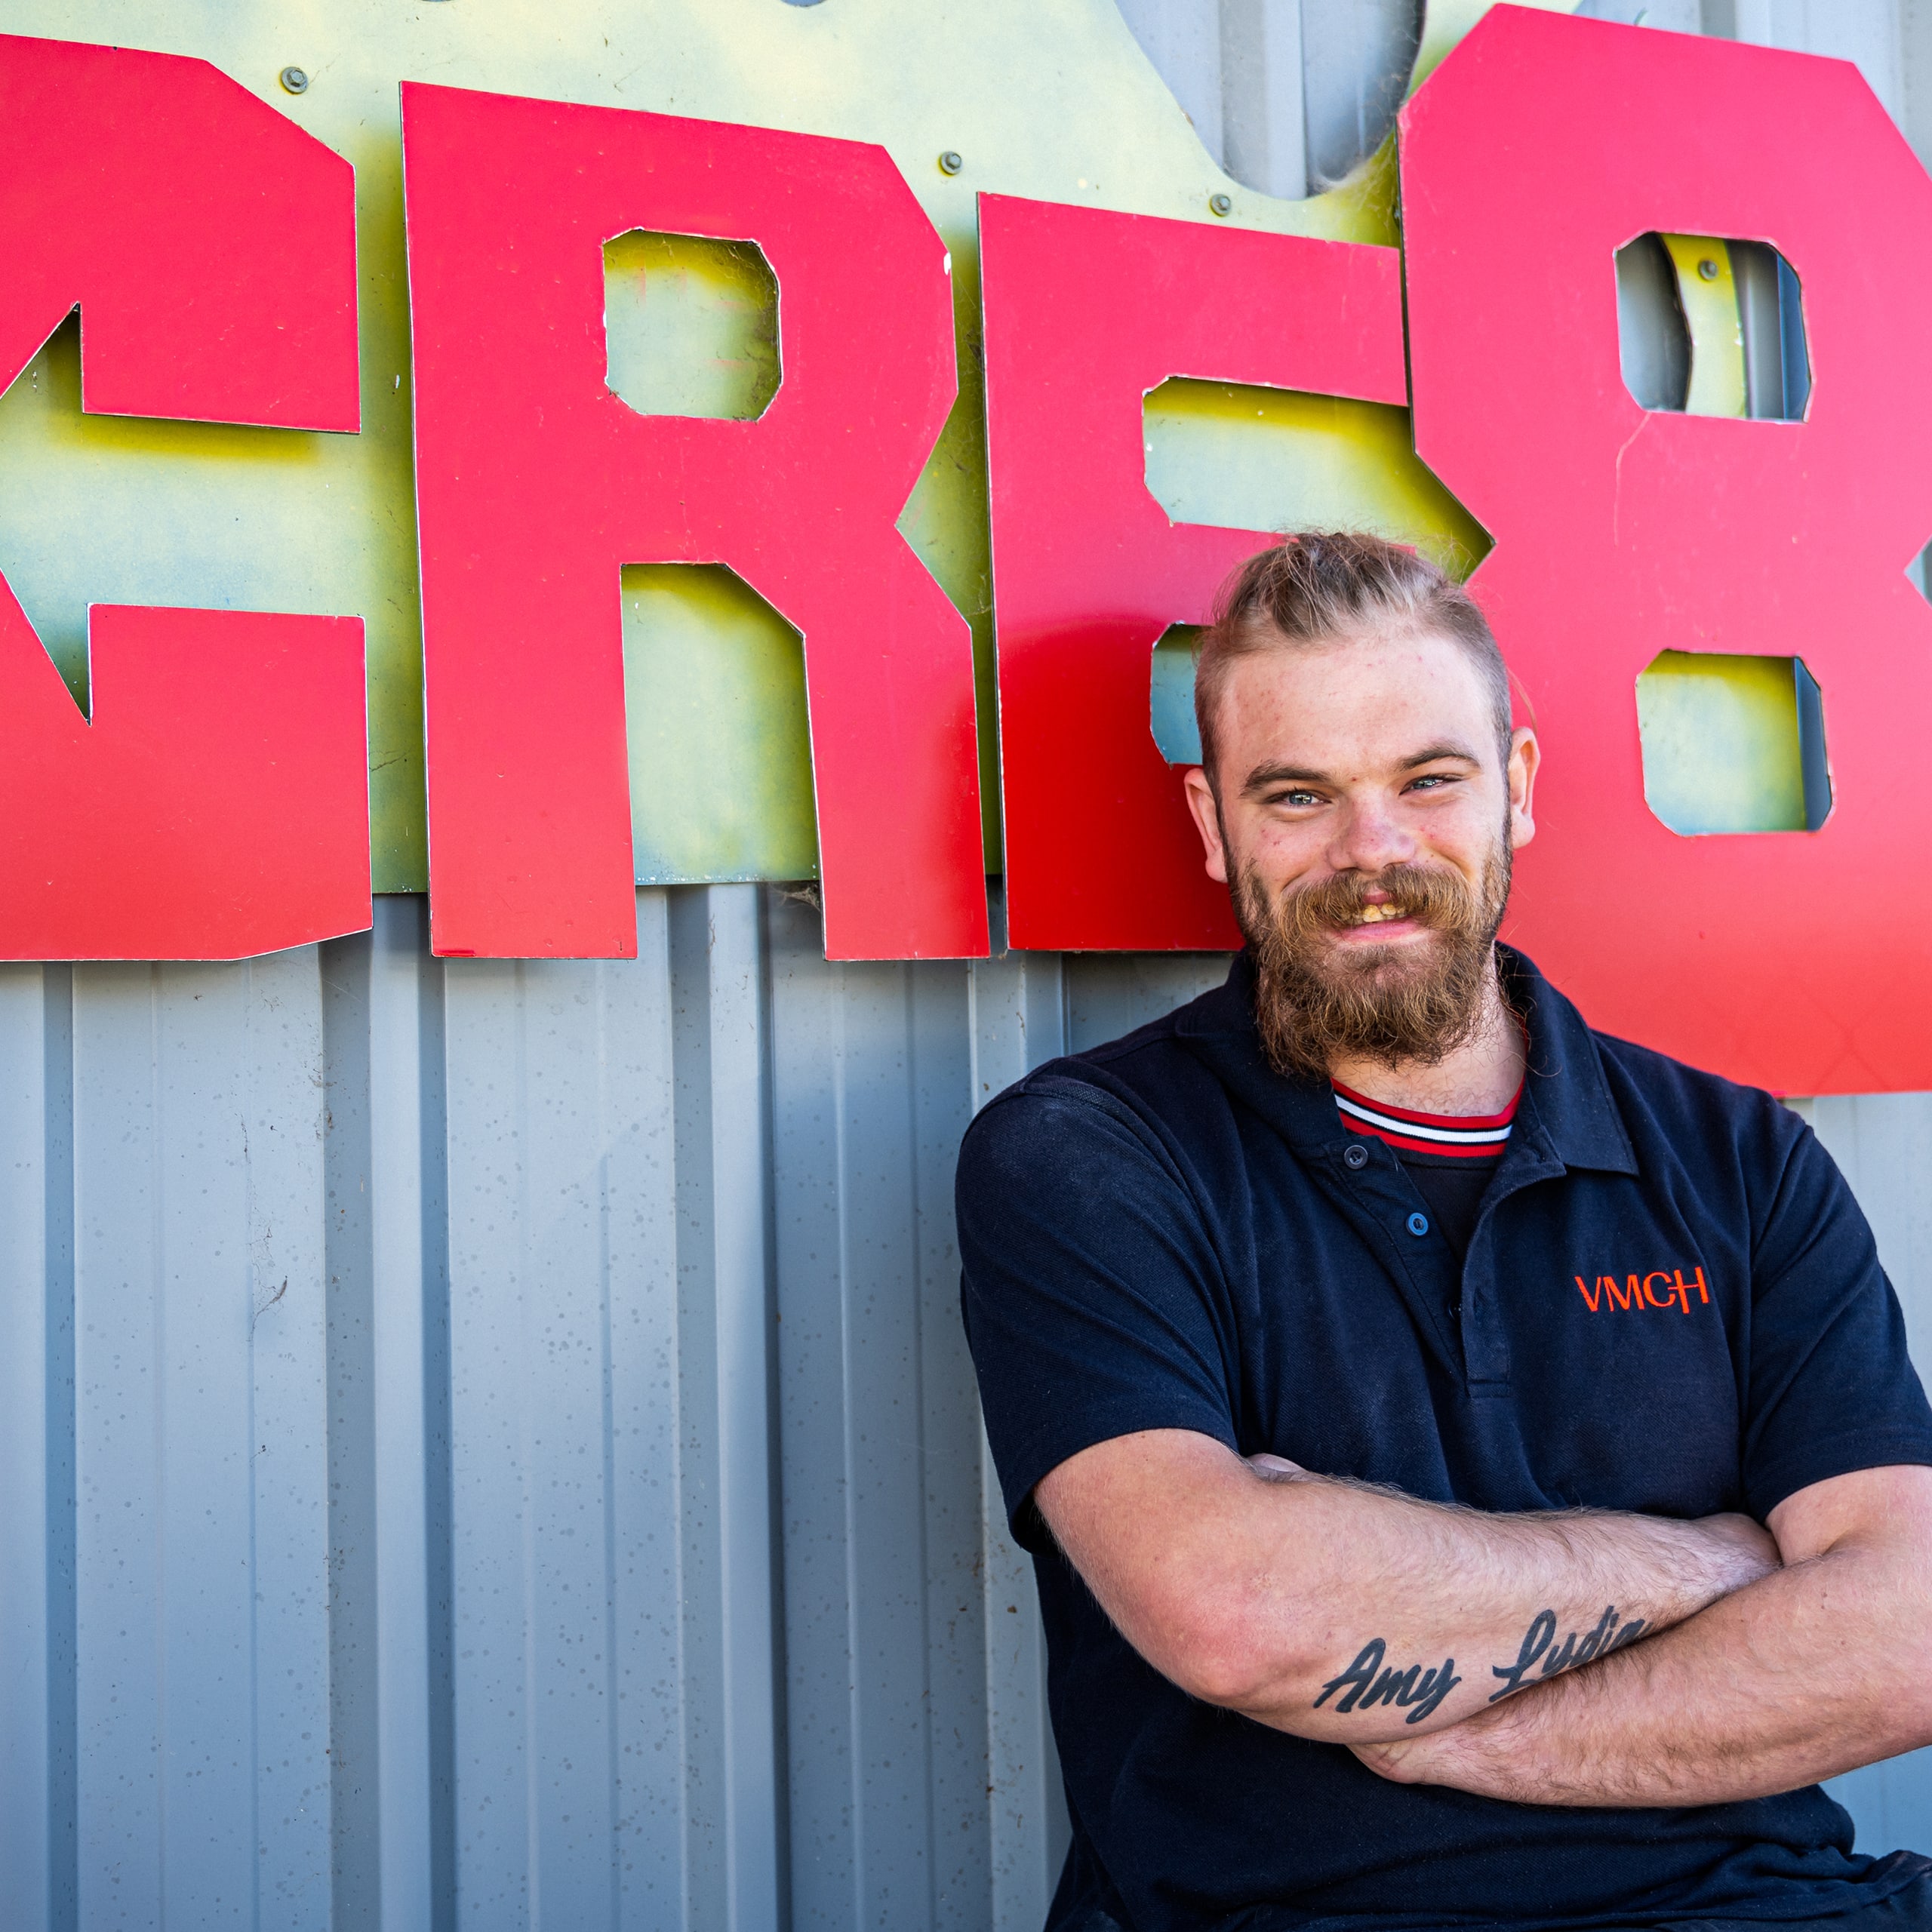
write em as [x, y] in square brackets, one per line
[1315, 1004]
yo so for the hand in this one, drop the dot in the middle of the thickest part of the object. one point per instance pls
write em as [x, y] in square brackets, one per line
[1456, 1755]
[1273, 1466]
[1414, 1760]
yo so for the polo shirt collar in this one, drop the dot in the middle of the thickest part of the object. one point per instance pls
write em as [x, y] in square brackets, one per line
[1565, 1090]
[1568, 1114]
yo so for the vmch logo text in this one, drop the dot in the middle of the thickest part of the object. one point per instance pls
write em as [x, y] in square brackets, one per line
[1642, 1291]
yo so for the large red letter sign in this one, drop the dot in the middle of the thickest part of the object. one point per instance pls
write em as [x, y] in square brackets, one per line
[1799, 959]
[1087, 311]
[535, 484]
[218, 803]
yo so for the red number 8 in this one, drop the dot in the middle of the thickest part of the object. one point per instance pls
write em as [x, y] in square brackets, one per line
[1797, 960]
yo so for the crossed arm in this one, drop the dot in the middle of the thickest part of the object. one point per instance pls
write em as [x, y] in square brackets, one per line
[1557, 1658]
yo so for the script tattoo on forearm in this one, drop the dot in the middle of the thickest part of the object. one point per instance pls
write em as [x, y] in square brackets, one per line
[1541, 1635]
[1416, 1691]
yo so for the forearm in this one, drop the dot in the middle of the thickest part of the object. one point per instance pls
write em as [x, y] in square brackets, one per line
[1484, 1605]
[1809, 1672]
[1341, 1612]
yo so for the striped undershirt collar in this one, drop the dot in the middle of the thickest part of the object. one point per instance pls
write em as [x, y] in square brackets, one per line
[1477, 1136]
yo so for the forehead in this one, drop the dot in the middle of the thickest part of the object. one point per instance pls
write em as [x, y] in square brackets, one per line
[1374, 691]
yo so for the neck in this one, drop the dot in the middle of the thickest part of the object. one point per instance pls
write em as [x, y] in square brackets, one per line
[1481, 1076]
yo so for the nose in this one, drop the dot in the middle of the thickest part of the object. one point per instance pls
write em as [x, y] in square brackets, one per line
[1369, 838]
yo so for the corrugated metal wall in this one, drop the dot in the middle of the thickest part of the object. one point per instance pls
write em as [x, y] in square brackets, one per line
[492, 1444]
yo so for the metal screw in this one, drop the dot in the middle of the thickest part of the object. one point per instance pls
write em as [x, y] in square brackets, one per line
[1221, 203]
[949, 163]
[1708, 269]
[294, 80]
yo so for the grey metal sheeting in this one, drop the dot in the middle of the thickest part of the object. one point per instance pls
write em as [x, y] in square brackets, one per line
[492, 1444]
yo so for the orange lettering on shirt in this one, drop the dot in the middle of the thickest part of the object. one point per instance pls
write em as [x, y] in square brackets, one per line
[1650, 1293]
[1640, 1291]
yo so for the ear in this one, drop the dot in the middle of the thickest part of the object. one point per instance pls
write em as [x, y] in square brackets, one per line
[1525, 758]
[1206, 821]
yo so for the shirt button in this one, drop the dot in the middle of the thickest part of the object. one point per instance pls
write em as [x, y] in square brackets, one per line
[1355, 1155]
[1418, 1224]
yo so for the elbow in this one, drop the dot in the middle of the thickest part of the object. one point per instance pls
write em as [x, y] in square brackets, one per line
[1898, 1667]
[1222, 1651]
[1895, 1717]
[1914, 1696]
[1220, 1668]
[1889, 1678]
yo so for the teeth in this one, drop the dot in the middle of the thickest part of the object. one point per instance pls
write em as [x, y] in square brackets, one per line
[1373, 915]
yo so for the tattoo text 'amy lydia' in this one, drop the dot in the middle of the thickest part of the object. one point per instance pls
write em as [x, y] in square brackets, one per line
[1416, 1691]
[1367, 1683]
[1542, 1634]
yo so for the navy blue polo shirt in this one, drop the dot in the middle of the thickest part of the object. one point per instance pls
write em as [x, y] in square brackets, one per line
[1669, 1302]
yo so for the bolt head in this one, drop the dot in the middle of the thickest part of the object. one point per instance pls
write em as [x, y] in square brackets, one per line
[1221, 203]
[294, 80]
[950, 163]
[1708, 269]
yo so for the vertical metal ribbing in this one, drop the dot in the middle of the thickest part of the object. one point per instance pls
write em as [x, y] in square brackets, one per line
[201, 1550]
[885, 1677]
[1264, 135]
[356, 1772]
[1017, 1016]
[386, 1304]
[727, 1394]
[36, 1445]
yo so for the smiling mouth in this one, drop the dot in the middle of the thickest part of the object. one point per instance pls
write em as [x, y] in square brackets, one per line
[1376, 915]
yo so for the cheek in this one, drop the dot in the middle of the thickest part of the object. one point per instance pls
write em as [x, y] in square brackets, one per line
[1465, 834]
[1279, 851]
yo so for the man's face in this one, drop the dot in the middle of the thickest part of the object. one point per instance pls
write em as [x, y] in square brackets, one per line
[1366, 820]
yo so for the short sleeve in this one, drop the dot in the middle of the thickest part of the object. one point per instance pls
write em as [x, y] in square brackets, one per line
[1094, 1304]
[1831, 1387]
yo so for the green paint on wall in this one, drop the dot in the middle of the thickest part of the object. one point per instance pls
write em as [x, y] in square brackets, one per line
[1262, 458]
[690, 325]
[1723, 749]
[1171, 695]
[720, 751]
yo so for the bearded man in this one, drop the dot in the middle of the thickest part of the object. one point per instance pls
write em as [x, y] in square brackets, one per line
[1473, 1469]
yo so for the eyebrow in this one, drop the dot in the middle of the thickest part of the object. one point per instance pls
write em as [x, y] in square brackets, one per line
[1445, 747]
[1264, 776]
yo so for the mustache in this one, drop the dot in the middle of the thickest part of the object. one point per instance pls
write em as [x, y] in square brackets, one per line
[1432, 895]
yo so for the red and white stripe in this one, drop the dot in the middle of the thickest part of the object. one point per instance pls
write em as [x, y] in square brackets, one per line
[1478, 1135]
